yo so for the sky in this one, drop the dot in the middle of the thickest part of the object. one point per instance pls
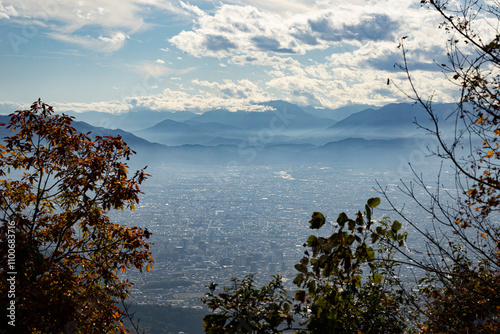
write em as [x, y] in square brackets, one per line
[121, 55]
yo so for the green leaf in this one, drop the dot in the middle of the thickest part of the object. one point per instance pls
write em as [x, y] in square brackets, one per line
[368, 212]
[318, 220]
[312, 241]
[342, 219]
[322, 302]
[377, 278]
[380, 230]
[396, 226]
[286, 307]
[301, 268]
[312, 286]
[298, 279]
[359, 218]
[370, 254]
[351, 224]
[300, 295]
[373, 202]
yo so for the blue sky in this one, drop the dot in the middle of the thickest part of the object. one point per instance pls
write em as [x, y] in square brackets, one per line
[117, 55]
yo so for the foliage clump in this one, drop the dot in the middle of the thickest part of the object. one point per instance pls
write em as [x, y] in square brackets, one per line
[68, 253]
[347, 283]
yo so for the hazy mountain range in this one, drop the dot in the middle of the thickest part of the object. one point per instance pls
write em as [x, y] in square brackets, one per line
[285, 133]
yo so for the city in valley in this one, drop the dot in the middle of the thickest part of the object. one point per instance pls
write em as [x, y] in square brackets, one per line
[210, 224]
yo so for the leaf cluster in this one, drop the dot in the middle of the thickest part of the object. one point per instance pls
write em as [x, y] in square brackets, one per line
[242, 308]
[347, 283]
[68, 252]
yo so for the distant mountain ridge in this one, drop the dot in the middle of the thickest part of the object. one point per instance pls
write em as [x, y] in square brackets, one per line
[284, 134]
[393, 120]
[219, 126]
[144, 148]
[338, 113]
[174, 133]
[141, 118]
[291, 116]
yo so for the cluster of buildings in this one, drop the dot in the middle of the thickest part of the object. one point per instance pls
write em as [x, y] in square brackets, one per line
[210, 227]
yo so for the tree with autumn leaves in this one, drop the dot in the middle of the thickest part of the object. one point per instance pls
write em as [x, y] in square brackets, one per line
[461, 287]
[57, 187]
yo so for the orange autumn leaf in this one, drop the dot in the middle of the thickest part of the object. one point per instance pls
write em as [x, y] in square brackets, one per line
[489, 154]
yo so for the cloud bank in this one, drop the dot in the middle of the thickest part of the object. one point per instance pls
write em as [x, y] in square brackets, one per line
[235, 54]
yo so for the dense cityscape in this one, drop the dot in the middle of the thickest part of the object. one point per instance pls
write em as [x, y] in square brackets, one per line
[210, 224]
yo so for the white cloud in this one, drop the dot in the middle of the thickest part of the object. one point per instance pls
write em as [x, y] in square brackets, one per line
[100, 44]
[7, 107]
[155, 69]
[117, 39]
[346, 85]
[235, 30]
[7, 12]
[359, 40]
[247, 33]
[192, 9]
[280, 6]
[265, 60]
[66, 19]
[242, 89]
[112, 107]
[206, 95]
[318, 52]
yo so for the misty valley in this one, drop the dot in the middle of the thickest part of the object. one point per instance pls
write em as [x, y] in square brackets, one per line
[230, 194]
[219, 211]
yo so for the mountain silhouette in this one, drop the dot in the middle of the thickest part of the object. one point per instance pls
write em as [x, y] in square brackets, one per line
[283, 134]
[391, 121]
